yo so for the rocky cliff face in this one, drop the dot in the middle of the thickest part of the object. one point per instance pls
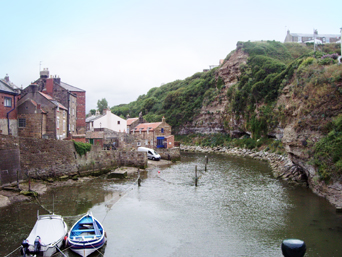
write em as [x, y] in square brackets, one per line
[306, 105]
[214, 112]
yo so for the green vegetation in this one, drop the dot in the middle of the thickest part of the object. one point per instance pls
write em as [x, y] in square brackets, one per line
[328, 152]
[311, 82]
[82, 148]
[102, 105]
[178, 101]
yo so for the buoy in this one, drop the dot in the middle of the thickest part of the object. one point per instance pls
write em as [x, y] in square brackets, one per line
[293, 248]
[158, 171]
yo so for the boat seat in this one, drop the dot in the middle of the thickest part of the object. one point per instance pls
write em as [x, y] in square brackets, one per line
[84, 230]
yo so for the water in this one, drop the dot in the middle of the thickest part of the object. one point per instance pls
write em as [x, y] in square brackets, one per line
[238, 209]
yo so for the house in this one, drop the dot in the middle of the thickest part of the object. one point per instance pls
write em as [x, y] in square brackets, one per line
[106, 120]
[154, 135]
[307, 38]
[40, 115]
[73, 98]
[9, 95]
[133, 122]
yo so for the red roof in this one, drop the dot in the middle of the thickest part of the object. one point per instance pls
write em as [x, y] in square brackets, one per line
[144, 126]
[131, 120]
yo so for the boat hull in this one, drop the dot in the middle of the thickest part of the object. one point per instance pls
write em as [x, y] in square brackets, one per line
[87, 248]
[86, 236]
[50, 230]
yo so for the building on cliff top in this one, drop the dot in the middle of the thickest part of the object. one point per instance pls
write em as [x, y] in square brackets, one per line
[307, 38]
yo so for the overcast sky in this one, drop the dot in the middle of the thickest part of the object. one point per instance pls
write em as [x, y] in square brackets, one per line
[119, 50]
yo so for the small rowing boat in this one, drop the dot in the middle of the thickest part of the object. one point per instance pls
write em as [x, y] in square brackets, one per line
[86, 235]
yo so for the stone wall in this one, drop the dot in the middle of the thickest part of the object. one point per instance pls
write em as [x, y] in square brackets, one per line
[169, 153]
[46, 158]
[9, 159]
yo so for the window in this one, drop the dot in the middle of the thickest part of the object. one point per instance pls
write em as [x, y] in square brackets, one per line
[8, 102]
[162, 130]
[22, 123]
[118, 122]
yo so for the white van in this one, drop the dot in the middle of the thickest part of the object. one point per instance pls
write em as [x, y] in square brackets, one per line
[151, 154]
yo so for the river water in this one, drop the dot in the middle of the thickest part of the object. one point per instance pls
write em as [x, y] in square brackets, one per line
[237, 209]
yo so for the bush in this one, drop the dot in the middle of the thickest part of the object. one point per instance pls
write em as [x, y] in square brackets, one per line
[328, 152]
[82, 148]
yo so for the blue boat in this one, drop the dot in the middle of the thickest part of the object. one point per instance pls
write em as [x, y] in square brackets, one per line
[86, 235]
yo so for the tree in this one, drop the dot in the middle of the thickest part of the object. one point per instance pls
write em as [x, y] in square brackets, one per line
[102, 105]
[92, 111]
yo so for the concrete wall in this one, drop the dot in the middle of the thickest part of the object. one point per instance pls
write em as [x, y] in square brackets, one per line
[45, 158]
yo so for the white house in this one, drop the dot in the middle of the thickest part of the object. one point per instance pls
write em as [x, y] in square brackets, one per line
[106, 120]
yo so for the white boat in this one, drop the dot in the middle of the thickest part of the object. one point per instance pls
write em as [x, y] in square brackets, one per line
[46, 236]
[86, 235]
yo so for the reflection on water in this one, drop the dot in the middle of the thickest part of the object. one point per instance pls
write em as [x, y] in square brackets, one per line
[238, 209]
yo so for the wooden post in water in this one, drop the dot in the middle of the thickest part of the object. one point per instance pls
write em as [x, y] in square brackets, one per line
[18, 179]
[139, 179]
[196, 175]
[206, 162]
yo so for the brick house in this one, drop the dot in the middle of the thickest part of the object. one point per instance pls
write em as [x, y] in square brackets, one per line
[9, 95]
[133, 122]
[154, 135]
[73, 98]
[303, 38]
[40, 115]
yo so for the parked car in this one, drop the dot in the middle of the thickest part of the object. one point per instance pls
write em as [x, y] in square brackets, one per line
[151, 154]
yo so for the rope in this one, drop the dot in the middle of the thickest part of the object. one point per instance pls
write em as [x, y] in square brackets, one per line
[60, 251]
[12, 252]
[122, 194]
[41, 204]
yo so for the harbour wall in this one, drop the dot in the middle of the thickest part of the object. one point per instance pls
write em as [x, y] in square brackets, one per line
[21, 158]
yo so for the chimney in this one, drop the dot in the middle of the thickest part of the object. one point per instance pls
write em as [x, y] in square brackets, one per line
[7, 78]
[33, 88]
[57, 80]
[163, 119]
[49, 86]
[44, 74]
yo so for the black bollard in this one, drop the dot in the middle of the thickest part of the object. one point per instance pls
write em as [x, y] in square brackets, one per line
[293, 248]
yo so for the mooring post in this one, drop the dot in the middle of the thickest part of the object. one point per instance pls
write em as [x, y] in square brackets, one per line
[196, 175]
[205, 167]
[18, 179]
[206, 159]
[139, 179]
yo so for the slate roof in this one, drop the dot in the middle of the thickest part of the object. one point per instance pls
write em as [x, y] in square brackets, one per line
[317, 35]
[71, 88]
[61, 106]
[93, 117]
[6, 88]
